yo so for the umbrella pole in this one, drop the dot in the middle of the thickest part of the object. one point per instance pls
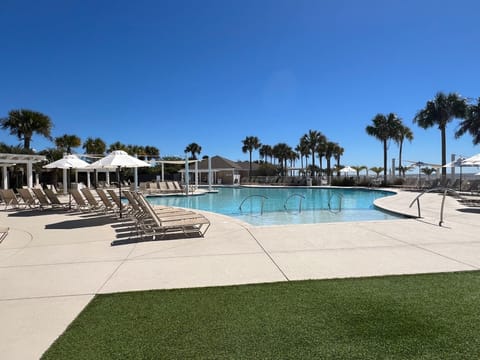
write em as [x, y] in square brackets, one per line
[119, 190]
[69, 184]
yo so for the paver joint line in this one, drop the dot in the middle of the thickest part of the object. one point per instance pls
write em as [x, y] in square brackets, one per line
[269, 256]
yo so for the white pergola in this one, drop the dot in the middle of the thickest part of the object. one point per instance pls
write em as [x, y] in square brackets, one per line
[7, 160]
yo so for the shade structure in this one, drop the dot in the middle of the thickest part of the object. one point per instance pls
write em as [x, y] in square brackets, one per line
[347, 169]
[472, 161]
[67, 162]
[117, 160]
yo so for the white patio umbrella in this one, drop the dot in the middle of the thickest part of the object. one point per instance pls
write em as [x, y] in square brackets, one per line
[472, 161]
[347, 169]
[116, 160]
[459, 162]
[66, 163]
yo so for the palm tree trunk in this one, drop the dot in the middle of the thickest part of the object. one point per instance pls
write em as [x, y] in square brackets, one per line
[26, 142]
[444, 154]
[250, 169]
[400, 168]
[385, 163]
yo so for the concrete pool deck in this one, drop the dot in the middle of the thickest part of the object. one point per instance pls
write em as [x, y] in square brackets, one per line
[52, 263]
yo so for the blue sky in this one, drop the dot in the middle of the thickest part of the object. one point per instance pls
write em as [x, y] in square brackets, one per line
[168, 73]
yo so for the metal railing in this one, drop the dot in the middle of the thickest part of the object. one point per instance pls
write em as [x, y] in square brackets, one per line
[301, 197]
[340, 199]
[263, 197]
[445, 191]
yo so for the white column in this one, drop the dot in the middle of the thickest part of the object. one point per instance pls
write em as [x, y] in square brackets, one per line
[65, 183]
[187, 177]
[29, 175]
[452, 169]
[163, 171]
[196, 174]
[107, 179]
[89, 184]
[5, 176]
[209, 174]
[135, 175]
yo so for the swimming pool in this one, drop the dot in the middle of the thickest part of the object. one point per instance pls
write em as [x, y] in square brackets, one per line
[278, 206]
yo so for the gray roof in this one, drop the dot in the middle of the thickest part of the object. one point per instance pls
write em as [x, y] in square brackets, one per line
[219, 162]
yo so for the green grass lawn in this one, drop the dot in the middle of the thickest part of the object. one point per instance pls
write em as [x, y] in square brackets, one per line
[433, 316]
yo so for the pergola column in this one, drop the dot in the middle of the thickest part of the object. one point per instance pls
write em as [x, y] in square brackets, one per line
[5, 176]
[65, 183]
[29, 175]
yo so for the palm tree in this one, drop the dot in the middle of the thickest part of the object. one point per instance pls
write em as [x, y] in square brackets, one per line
[337, 154]
[312, 139]
[377, 170]
[282, 151]
[439, 112]
[383, 129]
[403, 133]
[303, 150]
[152, 151]
[471, 123]
[67, 142]
[321, 150]
[24, 123]
[94, 146]
[266, 151]
[117, 145]
[292, 156]
[329, 149]
[250, 143]
[360, 168]
[194, 149]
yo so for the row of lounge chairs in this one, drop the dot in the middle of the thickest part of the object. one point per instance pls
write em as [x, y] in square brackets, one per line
[148, 220]
[161, 187]
[159, 221]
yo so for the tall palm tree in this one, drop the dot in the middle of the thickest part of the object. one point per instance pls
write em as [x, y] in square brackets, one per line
[302, 150]
[67, 142]
[266, 151]
[329, 149]
[471, 123]
[292, 157]
[337, 154]
[250, 143]
[383, 129]
[312, 139]
[24, 123]
[321, 150]
[439, 112]
[402, 133]
[194, 149]
[94, 146]
[282, 151]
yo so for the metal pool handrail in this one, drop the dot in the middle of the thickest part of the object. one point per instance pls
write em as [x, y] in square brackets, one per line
[340, 196]
[445, 191]
[300, 202]
[250, 196]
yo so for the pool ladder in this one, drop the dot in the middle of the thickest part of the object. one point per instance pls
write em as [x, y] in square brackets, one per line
[263, 197]
[340, 199]
[301, 197]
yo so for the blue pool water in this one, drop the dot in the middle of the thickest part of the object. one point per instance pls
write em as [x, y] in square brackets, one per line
[277, 206]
